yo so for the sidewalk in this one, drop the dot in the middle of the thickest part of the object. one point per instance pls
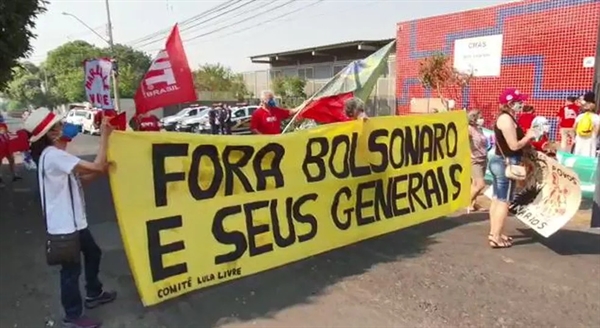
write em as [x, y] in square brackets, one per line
[439, 274]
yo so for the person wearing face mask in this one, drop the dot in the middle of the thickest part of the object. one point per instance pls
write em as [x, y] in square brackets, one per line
[478, 142]
[587, 127]
[526, 121]
[355, 109]
[510, 141]
[268, 117]
[60, 175]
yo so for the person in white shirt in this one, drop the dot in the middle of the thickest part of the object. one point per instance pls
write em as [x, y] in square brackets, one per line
[60, 175]
[587, 145]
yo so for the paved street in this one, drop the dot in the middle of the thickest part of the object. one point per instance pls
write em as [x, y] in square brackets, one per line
[440, 274]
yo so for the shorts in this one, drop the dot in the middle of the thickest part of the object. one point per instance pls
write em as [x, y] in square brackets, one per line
[503, 187]
[478, 170]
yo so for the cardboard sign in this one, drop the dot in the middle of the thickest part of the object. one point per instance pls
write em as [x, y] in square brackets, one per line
[550, 196]
[97, 82]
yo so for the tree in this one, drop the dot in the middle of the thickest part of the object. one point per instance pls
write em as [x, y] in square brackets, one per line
[17, 20]
[218, 78]
[290, 89]
[132, 64]
[26, 87]
[64, 68]
[437, 74]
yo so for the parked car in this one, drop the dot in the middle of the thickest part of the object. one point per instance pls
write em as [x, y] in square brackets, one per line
[192, 124]
[240, 119]
[76, 117]
[88, 124]
[169, 123]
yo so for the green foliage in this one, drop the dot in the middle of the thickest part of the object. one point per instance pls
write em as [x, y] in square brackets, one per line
[26, 88]
[218, 78]
[290, 89]
[17, 20]
[64, 66]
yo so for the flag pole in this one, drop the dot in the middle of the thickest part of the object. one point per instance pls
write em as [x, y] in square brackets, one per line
[114, 72]
[307, 101]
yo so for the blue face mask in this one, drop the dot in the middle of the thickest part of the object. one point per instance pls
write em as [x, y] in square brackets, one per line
[69, 131]
[271, 103]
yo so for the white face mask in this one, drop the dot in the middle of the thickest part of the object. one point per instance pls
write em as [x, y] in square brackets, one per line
[517, 107]
[479, 122]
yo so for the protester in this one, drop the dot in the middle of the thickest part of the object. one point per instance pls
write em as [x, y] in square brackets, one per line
[566, 120]
[510, 141]
[526, 119]
[355, 109]
[225, 120]
[147, 122]
[6, 152]
[268, 117]
[478, 143]
[213, 115]
[587, 125]
[60, 175]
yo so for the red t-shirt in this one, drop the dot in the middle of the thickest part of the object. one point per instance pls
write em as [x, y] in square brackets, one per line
[149, 123]
[525, 120]
[268, 121]
[567, 115]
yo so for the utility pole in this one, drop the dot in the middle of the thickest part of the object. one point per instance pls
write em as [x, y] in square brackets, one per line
[115, 73]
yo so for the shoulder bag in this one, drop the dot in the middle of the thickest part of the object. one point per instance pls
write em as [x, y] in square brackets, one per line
[60, 248]
[513, 171]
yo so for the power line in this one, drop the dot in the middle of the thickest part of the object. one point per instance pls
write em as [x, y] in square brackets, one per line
[189, 27]
[225, 13]
[337, 12]
[160, 33]
[255, 25]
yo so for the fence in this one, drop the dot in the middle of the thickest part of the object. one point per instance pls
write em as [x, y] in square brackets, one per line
[381, 102]
[544, 48]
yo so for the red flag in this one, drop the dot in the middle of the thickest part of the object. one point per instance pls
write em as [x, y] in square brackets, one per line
[13, 142]
[327, 109]
[168, 80]
[119, 121]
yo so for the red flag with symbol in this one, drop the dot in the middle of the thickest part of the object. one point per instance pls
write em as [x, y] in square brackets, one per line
[168, 80]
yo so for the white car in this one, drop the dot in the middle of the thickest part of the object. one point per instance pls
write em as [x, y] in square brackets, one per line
[88, 125]
[76, 117]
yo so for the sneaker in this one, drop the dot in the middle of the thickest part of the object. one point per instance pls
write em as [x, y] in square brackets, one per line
[16, 178]
[103, 298]
[81, 322]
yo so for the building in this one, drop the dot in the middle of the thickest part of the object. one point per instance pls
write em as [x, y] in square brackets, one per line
[319, 64]
[536, 46]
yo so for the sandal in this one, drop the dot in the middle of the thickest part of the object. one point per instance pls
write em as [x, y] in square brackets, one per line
[504, 237]
[499, 244]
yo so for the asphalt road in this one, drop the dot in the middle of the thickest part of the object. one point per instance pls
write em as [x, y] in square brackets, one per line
[439, 274]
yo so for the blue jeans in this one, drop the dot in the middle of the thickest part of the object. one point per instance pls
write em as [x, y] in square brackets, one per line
[70, 295]
[503, 187]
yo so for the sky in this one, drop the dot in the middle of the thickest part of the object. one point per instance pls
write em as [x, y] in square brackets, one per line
[256, 27]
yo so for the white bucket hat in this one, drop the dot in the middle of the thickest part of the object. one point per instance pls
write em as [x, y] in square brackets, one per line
[40, 121]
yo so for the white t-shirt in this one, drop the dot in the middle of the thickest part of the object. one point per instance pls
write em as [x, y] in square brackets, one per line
[57, 166]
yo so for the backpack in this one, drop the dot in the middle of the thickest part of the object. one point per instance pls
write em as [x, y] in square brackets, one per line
[585, 126]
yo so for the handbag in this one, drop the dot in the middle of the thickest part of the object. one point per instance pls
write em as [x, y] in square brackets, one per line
[513, 171]
[61, 248]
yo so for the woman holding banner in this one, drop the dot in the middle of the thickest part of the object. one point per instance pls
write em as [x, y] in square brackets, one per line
[478, 143]
[510, 141]
[63, 207]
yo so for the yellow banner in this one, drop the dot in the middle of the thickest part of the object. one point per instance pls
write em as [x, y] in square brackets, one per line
[197, 210]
